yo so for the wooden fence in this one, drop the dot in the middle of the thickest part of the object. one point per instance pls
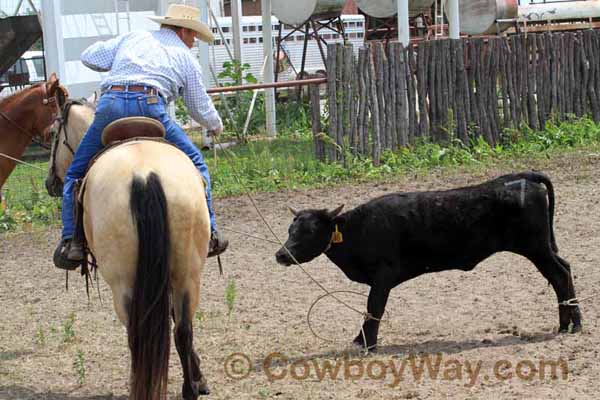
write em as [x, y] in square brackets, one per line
[389, 97]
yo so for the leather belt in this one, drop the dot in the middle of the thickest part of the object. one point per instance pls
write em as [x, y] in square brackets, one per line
[135, 88]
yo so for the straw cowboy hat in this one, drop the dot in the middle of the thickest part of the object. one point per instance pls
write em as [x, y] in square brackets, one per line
[186, 17]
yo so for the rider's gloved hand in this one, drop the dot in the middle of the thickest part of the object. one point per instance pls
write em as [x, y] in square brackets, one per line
[216, 132]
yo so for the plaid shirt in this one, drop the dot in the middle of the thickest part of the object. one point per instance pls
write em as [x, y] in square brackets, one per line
[158, 59]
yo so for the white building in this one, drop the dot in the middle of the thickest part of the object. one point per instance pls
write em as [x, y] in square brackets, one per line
[70, 26]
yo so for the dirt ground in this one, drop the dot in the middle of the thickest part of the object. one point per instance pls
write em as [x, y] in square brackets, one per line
[491, 331]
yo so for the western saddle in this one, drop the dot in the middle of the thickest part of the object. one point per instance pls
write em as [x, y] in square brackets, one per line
[132, 127]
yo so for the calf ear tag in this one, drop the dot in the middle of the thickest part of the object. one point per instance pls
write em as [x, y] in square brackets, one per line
[337, 237]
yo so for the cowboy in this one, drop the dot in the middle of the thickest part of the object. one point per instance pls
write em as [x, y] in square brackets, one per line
[146, 71]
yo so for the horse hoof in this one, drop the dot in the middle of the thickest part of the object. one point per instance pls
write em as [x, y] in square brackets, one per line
[202, 388]
[576, 328]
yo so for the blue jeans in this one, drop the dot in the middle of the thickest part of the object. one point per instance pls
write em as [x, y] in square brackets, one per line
[112, 106]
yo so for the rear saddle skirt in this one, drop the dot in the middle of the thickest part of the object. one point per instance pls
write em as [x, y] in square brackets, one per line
[122, 132]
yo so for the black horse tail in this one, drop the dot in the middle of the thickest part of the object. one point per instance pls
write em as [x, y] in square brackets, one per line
[538, 177]
[149, 318]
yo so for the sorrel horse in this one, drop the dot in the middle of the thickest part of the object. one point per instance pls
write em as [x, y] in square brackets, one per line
[146, 222]
[25, 116]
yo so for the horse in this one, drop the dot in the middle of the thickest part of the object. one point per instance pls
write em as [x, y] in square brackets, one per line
[26, 116]
[147, 224]
[74, 119]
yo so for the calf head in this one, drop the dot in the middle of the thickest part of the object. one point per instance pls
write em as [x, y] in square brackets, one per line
[310, 235]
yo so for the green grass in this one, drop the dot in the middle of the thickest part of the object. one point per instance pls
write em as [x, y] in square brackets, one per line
[288, 162]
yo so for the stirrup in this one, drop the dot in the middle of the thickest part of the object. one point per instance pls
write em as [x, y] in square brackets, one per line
[217, 244]
[66, 259]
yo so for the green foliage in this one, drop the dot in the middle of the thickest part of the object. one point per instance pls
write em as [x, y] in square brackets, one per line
[291, 115]
[79, 367]
[7, 221]
[230, 295]
[288, 162]
[26, 202]
[40, 336]
[68, 329]
[235, 73]
[181, 112]
[200, 316]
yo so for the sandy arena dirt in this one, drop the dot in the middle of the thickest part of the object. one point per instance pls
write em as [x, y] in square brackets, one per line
[502, 312]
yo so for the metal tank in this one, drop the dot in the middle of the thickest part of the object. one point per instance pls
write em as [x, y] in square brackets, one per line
[296, 12]
[389, 8]
[560, 11]
[478, 17]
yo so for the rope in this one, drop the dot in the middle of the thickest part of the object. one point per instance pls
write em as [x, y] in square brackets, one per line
[21, 162]
[574, 302]
[250, 235]
[328, 293]
[318, 299]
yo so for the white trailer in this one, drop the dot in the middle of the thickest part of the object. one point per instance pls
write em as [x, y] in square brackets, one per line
[252, 44]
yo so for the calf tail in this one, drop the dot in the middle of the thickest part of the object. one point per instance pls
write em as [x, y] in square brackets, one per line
[538, 177]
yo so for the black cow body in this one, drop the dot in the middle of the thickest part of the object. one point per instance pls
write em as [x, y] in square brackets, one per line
[400, 236]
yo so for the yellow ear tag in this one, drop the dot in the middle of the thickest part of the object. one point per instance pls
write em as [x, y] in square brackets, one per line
[337, 237]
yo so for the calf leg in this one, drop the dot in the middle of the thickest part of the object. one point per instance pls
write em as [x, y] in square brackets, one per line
[194, 383]
[574, 310]
[558, 276]
[378, 296]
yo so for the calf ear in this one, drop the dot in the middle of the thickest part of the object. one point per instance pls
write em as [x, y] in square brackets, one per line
[336, 212]
[293, 211]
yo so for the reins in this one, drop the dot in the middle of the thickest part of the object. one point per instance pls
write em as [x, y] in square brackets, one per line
[63, 123]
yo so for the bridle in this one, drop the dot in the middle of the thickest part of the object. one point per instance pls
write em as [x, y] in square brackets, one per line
[47, 101]
[63, 121]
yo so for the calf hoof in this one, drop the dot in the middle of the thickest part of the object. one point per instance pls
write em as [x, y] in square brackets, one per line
[563, 329]
[576, 328]
[359, 341]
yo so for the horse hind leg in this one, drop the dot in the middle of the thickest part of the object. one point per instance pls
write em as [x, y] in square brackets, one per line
[574, 309]
[194, 382]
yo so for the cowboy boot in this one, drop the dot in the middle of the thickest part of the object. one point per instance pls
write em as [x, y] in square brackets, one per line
[69, 254]
[218, 244]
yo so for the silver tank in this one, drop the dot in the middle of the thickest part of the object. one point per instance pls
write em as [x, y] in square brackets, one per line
[295, 12]
[478, 17]
[389, 8]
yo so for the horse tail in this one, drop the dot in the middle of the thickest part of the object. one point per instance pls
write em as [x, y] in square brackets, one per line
[149, 310]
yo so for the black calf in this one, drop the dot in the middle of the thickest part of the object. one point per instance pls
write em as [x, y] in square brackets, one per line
[400, 236]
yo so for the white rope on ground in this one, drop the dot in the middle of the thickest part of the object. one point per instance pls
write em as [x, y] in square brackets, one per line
[21, 162]
[575, 301]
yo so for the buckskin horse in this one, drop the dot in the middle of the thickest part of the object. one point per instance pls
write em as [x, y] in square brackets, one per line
[25, 116]
[146, 222]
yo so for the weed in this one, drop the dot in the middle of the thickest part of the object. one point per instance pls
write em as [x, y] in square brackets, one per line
[263, 393]
[79, 367]
[230, 295]
[68, 330]
[40, 336]
[200, 316]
